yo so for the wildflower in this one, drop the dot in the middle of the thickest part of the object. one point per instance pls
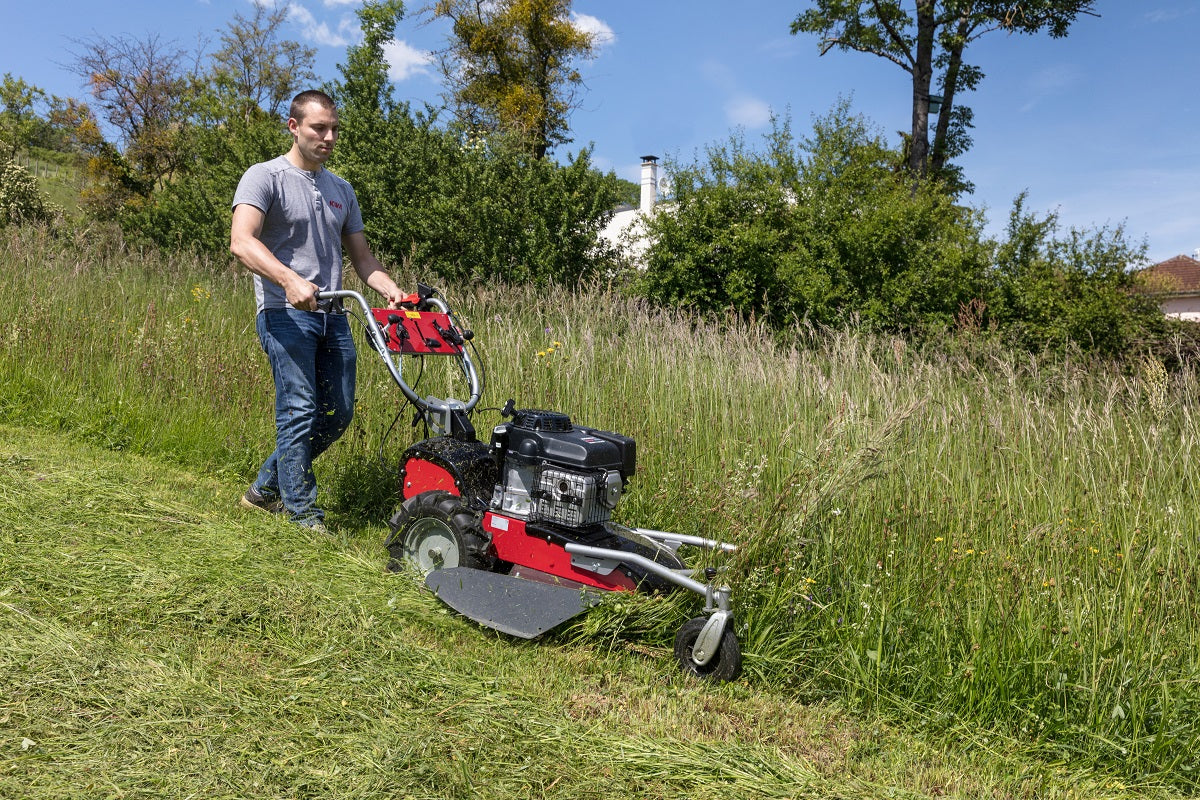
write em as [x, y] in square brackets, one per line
[939, 538]
[541, 354]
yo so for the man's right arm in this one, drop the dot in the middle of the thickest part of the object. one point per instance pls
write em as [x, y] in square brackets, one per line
[249, 249]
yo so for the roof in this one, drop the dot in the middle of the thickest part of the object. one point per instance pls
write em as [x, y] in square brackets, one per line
[1178, 275]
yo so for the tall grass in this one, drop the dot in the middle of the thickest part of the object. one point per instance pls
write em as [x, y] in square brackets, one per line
[985, 543]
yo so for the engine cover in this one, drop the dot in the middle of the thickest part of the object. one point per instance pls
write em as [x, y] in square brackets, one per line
[552, 471]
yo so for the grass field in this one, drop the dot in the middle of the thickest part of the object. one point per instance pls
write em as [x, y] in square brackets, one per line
[962, 571]
[59, 175]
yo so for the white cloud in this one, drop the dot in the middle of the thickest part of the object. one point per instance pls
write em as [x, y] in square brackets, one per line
[1162, 15]
[1049, 82]
[405, 61]
[749, 112]
[602, 35]
[319, 32]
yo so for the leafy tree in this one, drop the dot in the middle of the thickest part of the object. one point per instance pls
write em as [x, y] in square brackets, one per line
[228, 119]
[823, 229]
[509, 66]
[142, 87]
[927, 35]
[19, 121]
[255, 69]
[464, 206]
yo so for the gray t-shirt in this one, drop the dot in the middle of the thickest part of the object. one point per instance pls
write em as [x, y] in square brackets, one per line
[307, 213]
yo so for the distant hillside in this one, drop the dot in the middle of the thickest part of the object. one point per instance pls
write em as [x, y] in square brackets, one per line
[59, 174]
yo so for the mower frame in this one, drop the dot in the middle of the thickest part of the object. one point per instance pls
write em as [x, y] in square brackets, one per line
[448, 417]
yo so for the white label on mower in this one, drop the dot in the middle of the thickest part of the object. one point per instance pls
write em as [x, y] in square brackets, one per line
[499, 523]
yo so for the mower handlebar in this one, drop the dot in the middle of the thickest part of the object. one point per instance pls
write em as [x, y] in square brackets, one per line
[434, 409]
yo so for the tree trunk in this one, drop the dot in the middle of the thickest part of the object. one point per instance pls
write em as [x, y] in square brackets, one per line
[922, 76]
[950, 85]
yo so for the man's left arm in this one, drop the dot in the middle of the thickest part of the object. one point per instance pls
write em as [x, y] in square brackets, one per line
[370, 270]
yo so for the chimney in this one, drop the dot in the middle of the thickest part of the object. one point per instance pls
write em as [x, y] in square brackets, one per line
[649, 184]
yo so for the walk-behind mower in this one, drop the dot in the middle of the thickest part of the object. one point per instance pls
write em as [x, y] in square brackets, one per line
[516, 533]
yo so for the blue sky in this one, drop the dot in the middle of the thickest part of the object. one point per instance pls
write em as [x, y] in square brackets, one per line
[1096, 126]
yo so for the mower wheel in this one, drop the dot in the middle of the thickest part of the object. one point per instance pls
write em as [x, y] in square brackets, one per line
[435, 530]
[726, 663]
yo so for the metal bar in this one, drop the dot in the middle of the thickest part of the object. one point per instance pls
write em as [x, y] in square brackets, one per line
[647, 564]
[433, 405]
[683, 538]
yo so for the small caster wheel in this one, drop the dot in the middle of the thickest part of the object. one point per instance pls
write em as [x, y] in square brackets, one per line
[726, 662]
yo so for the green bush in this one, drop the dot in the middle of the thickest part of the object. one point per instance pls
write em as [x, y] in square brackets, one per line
[825, 229]
[20, 198]
[1054, 291]
[192, 211]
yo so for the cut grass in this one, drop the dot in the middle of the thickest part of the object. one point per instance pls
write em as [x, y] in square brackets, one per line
[155, 641]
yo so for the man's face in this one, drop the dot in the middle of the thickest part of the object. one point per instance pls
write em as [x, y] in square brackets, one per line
[315, 133]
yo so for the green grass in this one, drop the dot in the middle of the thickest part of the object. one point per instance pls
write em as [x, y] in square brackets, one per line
[58, 174]
[994, 552]
[156, 641]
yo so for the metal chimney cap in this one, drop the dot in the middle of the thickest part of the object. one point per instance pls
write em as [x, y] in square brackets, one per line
[649, 159]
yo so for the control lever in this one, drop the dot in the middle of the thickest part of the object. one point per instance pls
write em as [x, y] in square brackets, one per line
[449, 334]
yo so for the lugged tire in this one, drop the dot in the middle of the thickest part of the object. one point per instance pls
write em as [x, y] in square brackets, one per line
[433, 530]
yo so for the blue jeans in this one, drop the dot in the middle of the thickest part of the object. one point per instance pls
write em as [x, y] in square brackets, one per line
[313, 362]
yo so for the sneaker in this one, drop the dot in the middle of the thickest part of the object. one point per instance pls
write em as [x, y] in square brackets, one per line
[254, 500]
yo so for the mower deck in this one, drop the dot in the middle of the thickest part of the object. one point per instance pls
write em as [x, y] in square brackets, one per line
[517, 606]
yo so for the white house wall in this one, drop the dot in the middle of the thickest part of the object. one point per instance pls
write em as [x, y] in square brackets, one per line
[1185, 308]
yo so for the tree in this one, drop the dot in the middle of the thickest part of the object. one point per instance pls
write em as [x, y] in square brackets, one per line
[463, 206]
[19, 122]
[510, 68]
[142, 87]
[230, 119]
[258, 70]
[924, 35]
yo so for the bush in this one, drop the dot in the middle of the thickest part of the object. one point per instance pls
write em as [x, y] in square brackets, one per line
[20, 198]
[1054, 291]
[825, 229]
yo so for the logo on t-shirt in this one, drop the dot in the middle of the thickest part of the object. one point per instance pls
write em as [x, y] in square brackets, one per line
[336, 204]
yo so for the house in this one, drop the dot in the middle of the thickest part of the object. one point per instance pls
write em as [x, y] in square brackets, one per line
[627, 229]
[1176, 284]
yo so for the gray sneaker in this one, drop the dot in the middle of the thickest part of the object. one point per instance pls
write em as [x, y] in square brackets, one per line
[256, 501]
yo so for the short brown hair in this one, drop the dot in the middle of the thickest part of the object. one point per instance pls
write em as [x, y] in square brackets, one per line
[296, 111]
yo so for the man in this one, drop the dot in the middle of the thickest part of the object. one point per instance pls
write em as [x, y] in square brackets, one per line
[291, 220]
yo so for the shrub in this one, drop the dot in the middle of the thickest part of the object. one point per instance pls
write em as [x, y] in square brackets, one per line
[20, 198]
[824, 229]
[1055, 291]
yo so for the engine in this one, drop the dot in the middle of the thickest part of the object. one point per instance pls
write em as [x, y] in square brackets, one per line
[552, 471]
